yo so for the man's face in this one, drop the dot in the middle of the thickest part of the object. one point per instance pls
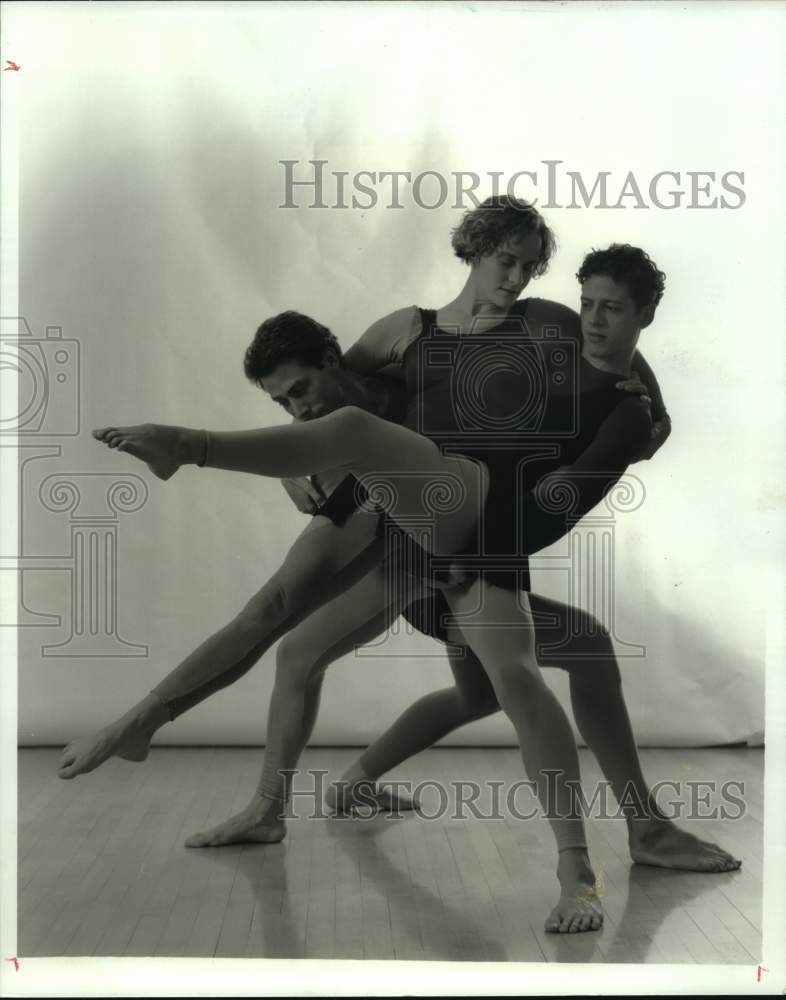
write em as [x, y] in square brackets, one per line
[610, 319]
[305, 392]
[503, 275]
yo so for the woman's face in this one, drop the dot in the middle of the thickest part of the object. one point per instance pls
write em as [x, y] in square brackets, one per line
[502, 275]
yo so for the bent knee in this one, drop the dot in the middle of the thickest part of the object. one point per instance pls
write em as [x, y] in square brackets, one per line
[580, 638]
[295, 663]
[266, 609]
[476, 701]
[479, 708]
[517, 678]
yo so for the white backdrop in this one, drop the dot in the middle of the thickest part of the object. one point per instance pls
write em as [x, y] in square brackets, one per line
[151, 233]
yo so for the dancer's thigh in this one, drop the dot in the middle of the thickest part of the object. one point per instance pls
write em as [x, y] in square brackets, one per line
[498, 627]
[360, 614]
[323, 561]
[436, 498]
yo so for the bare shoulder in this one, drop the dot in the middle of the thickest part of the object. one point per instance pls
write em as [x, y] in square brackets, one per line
[384, 342]
[398, 323]
[396, 331]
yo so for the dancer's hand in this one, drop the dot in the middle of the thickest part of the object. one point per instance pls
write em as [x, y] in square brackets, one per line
[658, 436]
[636, 386]
[660, 428]
[303, 494]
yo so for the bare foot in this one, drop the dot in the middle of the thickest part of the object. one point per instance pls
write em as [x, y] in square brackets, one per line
[162, 447]
[258, 823]
[355, 791]
[660, 843]
[89, 752]
[579, 908]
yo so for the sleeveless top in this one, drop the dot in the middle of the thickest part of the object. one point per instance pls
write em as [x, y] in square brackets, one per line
[464, 392]
[523, 405]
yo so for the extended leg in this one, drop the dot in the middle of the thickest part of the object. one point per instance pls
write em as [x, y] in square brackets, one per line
[354, 618]
[348, 439]
[423, 724]
[577, 642]
[546, 739]
[323, 560]
[571, 639]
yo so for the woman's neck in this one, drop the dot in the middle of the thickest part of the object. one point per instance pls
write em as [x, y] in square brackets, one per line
[469, 311]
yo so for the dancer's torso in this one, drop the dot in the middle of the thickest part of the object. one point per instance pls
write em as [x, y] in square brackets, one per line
[518, 397]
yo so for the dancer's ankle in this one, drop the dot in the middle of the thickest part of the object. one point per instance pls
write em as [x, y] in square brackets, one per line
[193, 446]
[146, 716]
[272, 796]
[644, 816]
[573, 862]
[270, 803]
[201, 446]
[356, 772]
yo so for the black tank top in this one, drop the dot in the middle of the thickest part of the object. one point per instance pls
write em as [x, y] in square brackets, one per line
[522, 404]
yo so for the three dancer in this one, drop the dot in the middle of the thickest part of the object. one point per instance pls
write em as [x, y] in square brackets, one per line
[324, 446]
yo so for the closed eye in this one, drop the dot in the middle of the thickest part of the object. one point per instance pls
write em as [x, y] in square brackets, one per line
[295, 391]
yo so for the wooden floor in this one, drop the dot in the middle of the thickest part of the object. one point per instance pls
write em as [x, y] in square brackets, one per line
[103, 870]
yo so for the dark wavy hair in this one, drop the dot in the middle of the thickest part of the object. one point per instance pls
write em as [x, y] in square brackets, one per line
[289, 336]
[498, 219]
[626, 265]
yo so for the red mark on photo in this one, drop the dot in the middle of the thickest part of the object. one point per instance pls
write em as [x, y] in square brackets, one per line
[759, 972]
[15, 961]
[11, 65]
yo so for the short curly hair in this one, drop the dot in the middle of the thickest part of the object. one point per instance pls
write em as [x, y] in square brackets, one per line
[289, 336]
[626, 265]
[498, 219]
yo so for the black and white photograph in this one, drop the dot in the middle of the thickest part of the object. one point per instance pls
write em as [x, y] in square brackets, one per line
[392, 456]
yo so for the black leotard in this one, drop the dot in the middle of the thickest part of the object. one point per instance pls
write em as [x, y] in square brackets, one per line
[523, 405]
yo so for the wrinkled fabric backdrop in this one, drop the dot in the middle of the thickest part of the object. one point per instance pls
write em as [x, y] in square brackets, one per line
[151, 233]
